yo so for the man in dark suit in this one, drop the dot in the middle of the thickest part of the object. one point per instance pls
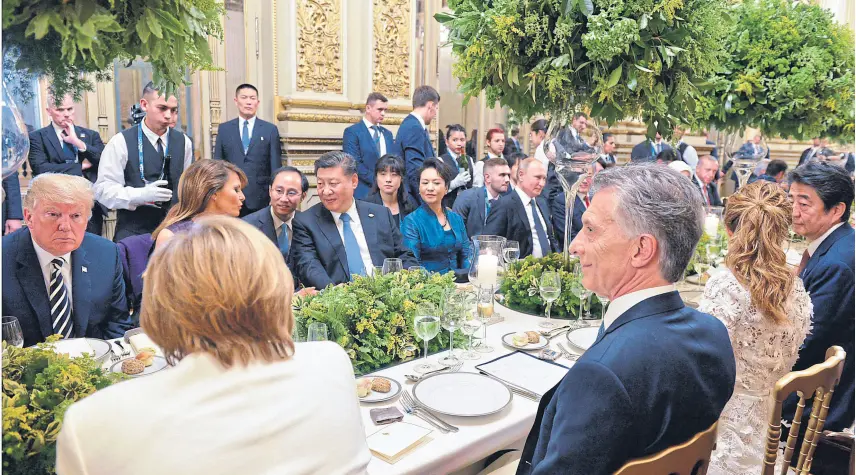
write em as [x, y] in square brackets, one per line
[512, 143]
[12, 213]
[609, 148]
[342, 237]
[367, 141]
[816, 145]
[287, 191]
[659, 372]
[703, 179]
[822, 194]
[413, 138]
[253, 145]
[63, 147]
[57, 278]
[522, 215]
[647, 150]
[569, 140]
[476, 203]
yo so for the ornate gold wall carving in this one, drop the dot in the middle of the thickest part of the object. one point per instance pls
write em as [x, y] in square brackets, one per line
[319, 58]
[333, 104]
[333, 118]
[391, 75]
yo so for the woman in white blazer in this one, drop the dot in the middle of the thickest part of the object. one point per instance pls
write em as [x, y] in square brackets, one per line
[242, 398]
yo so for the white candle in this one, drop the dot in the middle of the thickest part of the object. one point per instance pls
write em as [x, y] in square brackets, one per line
[711, 225]
[488, 266]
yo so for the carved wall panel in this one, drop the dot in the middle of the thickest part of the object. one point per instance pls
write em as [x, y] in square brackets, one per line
[391, 75]
[319, 46]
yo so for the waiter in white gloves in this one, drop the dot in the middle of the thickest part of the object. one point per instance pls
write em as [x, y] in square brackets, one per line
[140, 167]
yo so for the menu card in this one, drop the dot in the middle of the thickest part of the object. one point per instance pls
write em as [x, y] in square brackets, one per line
[526, 371]
[394, 441]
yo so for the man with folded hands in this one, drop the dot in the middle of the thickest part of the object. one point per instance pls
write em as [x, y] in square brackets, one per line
[57, 278]
[659, 372]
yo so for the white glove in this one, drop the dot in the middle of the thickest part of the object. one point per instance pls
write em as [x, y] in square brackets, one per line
[155, 193]
[461, 180]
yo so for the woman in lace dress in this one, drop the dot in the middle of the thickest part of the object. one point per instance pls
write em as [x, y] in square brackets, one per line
[767, 312]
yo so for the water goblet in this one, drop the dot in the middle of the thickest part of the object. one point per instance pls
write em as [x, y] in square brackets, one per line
[391, 265]
[317, 332]
[511, 252]
[12, 333]
[451, 321]
[484, 312]
[426, 325]
[550, 287]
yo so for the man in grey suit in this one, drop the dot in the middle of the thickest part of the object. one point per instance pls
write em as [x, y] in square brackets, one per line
[474, 204]
[253, 145]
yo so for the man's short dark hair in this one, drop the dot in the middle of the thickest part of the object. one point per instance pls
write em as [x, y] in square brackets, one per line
[425, 94]
[337, 158]
[494, 162]
[831, 183]
[246, 86]
[514, 158]
[667, 155]
[304, 182]
[149, 89]
[539, 125]
[514, 131]
[606, 136]
[577, 115]
[776, 166]
[443, 170]
[374, 97]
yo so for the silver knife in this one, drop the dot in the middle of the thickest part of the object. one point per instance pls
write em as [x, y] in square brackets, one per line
[514, 388]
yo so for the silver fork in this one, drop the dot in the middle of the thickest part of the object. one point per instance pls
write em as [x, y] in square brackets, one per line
[116, 355]
[412, 411]
[124, 351]
[419, 409]
[567, 353]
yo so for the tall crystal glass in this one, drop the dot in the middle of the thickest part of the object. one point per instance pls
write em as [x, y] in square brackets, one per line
[550, 286]
[511, 252]
[484, 311]
[426, 325]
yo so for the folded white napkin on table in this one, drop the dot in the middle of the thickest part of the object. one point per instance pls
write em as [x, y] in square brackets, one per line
[141, 340]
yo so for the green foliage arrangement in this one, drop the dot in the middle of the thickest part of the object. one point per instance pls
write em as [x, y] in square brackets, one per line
[615, 58]
[65, 41]
[372, 317]
[520, 287]
[38, 386]
[788, 71]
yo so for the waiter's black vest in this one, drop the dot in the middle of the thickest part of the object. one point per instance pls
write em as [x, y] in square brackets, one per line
[145, 219]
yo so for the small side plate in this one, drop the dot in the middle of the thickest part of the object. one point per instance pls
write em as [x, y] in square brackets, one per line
[158, 363]
[374, 396]
[542, 343]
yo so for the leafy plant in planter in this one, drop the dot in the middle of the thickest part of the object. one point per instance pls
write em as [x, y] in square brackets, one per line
[615, 58]
[38, 386]
[372, 317]
[65, 41]
[520, 287]
[789, 72]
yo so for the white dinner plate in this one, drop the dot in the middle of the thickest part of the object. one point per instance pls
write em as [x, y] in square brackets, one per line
[158, 363]
[583, 338]
[462, 394]
[100, 348]
[375, 396]
[542, 342]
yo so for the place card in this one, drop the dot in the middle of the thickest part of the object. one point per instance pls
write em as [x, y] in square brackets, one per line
[394, 441]
[526, 371]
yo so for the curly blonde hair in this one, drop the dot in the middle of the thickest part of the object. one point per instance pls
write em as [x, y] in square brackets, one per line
[758, 216]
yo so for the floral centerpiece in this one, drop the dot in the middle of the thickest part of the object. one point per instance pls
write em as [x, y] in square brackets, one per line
[372, 317]
[38, 386]
[520, 287]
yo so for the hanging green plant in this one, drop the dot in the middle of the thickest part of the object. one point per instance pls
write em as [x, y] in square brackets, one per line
[67, 41]
[789, 72]
[614, 58]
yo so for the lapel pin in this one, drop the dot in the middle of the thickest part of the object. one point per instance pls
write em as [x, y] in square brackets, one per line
[82, 136]
[262, 139]
[371, 215]
[84, 269]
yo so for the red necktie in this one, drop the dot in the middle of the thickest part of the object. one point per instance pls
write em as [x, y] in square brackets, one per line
[586, 201]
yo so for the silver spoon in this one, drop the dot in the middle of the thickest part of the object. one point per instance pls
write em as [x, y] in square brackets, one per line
[414, 378]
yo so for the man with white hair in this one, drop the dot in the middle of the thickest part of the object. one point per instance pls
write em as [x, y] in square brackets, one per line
[57, 278]
[659, 372]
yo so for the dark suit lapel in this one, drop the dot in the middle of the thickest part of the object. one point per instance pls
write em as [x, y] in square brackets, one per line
[825, 246]
[256, 137]
[54, 141]
[386, 136]
[527, 248]
[667, 302]
[331, 232]
[481, 200]
[369, 225]
[33, 283]
[81, 289]
[267, 226]
[367, 136]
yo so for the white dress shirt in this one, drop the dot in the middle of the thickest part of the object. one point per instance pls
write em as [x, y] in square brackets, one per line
[690, 155]
[420, 119]
[45, 259]
[812, 247]
[382, 143]
[59, 130]
[251, 122]
[357, 228]
[536, 243]
[624, 303]
[478, 170]
[110, 189]
[294, 416]
[277, 225]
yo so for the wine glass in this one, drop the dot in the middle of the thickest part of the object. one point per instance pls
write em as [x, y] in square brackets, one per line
[391, 265]
[421, 270]
[484, 312]
[604, 302]
[511, 252]
[451, 321]
[469, 326]
[317, 332]
[701, 266]
[12, 332]
[426, 325]
[550, 286]
[583, 293]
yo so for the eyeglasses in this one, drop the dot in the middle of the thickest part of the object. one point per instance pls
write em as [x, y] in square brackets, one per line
[291, 194]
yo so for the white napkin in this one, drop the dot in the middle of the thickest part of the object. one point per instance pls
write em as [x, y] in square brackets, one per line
[393, 441]
[141, 340]
[74, 347]
[526, 371]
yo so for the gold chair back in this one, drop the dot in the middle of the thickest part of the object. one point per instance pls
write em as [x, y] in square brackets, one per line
[819, 380]
[690, 458]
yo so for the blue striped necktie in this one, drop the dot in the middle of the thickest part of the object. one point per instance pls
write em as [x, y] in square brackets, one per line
[60, 304]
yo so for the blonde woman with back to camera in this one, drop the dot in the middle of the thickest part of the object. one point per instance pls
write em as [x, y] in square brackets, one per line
[767, 312]
[241, 398]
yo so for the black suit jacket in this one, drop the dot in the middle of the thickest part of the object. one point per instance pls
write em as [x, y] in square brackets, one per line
[508, 219]
[263, 220]
[46, 153]
[263, 157]
[12, 202]
[99, 306]
[320, 253]
[557, 211]
[712, 192]
[645, 151]
[470, 205]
